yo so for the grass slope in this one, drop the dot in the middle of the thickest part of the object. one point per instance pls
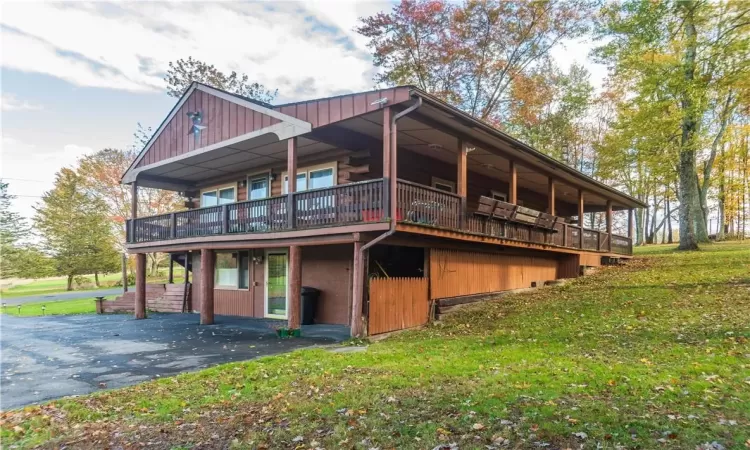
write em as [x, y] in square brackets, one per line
[652, 355]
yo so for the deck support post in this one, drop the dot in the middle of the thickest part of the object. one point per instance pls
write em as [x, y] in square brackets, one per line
[386, 161]
[580, 218]
[207, 286]
[630, 223]
[358, 286]
[393, 147]
[124, 272]
[133, 211]
[171, 270]
[551, 196]
[295, 286]
[461, 179]
[513, 184]
[291, 171]
[140, 286]
[609, 225]
[187, 283]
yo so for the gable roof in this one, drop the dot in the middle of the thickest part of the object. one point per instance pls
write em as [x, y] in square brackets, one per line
[270, 117]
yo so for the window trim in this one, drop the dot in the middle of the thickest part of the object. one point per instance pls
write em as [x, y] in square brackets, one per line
[225, 287]
[444, 182]
[334, 165]
[218, 188]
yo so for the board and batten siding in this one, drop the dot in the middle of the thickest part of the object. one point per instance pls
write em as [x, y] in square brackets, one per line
[223, 119]
[456, 273]
[326, 111]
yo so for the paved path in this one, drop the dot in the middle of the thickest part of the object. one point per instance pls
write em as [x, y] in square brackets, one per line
[44, 358]
[63, 296]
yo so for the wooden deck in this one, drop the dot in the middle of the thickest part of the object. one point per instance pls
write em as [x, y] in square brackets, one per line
[362, 203]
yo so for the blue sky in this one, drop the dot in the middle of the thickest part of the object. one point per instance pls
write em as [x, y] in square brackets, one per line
[78, 77]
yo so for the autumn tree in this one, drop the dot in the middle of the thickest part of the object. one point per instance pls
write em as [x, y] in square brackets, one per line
[75, 229]
[470, 53]
[183, 72]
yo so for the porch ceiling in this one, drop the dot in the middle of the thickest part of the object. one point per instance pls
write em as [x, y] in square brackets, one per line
[246, 156]
[432, 142]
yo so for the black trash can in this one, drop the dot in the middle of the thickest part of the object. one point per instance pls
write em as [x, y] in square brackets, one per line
[309, 301]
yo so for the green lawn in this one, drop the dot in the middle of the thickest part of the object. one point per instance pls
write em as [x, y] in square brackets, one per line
[59, 284]
[79, 306]
[655, 354]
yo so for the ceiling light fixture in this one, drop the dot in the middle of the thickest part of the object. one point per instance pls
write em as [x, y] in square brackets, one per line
[380, 102]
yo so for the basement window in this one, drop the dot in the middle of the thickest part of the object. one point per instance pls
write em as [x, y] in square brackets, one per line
[232, 270]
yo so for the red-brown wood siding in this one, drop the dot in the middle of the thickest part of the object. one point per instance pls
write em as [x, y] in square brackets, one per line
[327, 268]
[224, 119]
[329, 110]
[233, 302]
[457, 273]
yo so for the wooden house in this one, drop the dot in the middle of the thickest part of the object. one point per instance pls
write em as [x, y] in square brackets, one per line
[399, 199]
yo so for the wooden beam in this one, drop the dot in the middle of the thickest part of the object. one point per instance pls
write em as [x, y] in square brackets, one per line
[513, 184]
[134, 200]
[295, 287]
[393, 181]
[630, 223]
[462, 176]
[358, 285]
[207, 286]
[386, 142]
[609, 225]
[291, 171]
[387, 193]
[551, 196]
[170, 279]
[140, 286]
[124, 272]
[580, 218]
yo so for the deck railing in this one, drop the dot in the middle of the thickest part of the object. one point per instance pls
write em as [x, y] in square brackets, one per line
[355, 203]
[427, 206]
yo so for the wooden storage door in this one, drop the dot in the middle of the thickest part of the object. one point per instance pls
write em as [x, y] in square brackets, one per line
[397, 303]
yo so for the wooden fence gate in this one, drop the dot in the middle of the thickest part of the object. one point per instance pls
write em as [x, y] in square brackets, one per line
[398, 303]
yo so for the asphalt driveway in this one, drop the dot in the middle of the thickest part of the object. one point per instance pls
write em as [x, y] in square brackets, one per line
[44, 358]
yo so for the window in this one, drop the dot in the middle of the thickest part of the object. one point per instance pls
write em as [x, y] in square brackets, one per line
[499, 196]
[257, 188]
[443, 185]
[314, 177]
[232, 270]
[218, 196]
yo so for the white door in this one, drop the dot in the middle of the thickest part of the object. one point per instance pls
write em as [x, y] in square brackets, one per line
[277, 286]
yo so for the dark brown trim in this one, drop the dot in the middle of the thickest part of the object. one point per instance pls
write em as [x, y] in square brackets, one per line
[258, 237]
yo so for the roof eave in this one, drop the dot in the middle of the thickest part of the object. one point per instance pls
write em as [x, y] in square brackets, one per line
[525, 147]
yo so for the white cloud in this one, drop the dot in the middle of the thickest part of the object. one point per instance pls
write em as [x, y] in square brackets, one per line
[30, 170]
[128, 45]
[10, 102]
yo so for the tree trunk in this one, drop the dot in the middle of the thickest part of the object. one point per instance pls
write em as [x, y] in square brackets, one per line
[639, 226]
[701, 216]
[96, 279]
[668, 231]
[687, 175]
[70, 283]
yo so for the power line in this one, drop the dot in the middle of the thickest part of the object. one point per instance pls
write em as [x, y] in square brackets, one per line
[24, 179]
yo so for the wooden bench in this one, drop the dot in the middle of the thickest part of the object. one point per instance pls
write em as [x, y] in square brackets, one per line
[491, 208]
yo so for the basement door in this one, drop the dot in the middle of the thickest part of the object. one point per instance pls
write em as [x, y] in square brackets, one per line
[277, 287]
